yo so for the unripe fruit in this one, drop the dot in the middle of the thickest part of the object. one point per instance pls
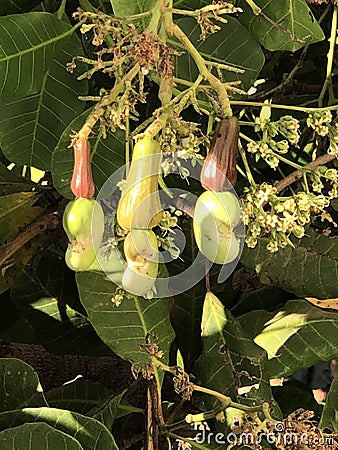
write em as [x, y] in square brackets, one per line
[139, 282]
[139, 206]
[80, 254]
[83, 221]
[141, 245]
[216, 213]
[83, 216]
[82, 184]
[141, 251]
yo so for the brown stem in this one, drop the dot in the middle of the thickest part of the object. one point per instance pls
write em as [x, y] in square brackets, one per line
[297, 174]
[49, 222]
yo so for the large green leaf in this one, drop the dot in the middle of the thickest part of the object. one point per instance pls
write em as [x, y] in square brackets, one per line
[11, 183]
[294, 395]
[19, 385]
[232, 45]
[123, 8]
[107, 156]
[125, 327]
[298, 335]
[37, 436]
[329, 417]
[187, 4]
[30, 126]
[28, 45]
[42, 294]
[91, 399]
[231, 360]
[15, 212]
[90, 433]
[17, 6]
[288, 25]
[310, 269]
[79, 395]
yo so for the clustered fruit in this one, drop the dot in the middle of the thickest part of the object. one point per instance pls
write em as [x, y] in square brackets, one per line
[217, 212]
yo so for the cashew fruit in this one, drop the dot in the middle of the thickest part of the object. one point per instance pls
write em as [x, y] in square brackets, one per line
[219, 168]
[139, 206]
[83, 222]
[215, 215]
[83, 216]
[141, 251]
[82, 184]
[80, 254]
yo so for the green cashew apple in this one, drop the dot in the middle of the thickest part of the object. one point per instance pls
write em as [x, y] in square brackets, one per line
[80, 254]
[140, 280]
[141, 252]
[215, 215]
[83, 222]
[140, 246]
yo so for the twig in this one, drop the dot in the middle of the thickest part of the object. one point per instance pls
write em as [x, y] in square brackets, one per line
[100, 108]
[49, 222]
[297, 174]
[330, 57]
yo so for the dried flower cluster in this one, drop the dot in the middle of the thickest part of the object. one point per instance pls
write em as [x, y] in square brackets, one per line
[214, 11]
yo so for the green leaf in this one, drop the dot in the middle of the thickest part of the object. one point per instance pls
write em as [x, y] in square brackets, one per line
[125, 327]
[30, 126]
[329, 417]
[10, 183]
[15, 209]
[232, 45]
[42, 294]
[213, 316]
[19, 385]
[37, 436]
[78, 395]
[113, 408]
[284, 25]
[91, 399]
[107, 156]
[187, 4]
[29, 42]
[266, 297]
[231, 360]
[17, 6]
[308, 270]
[295, 395]
[123, 8]
[297, 336]
[88, 432]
